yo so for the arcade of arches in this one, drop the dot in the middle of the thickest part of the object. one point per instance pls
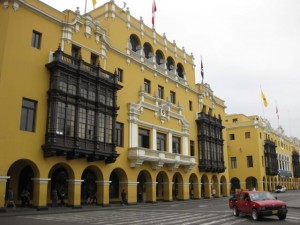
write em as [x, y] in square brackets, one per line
[268, 183]
[77, 183]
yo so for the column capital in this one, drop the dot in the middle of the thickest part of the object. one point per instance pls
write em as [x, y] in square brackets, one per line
[40, 180]
[4, 178]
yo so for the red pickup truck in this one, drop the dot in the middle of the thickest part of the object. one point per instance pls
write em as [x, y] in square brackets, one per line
[257, 204]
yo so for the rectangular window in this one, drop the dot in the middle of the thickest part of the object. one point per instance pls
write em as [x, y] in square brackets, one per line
[231, 137]
[176, 145]
[233, 163]
[161, 142]
[191, 105]
[249, 161]
[82, 123]
[108, 129]
[36, 39]
[70, 121]
[92, 95]
[90, 124]
[119, 75]
[94, 59]
[102, 97]
[192, 148]
[147, 86]
[235, 120]
[101, 127]
[72, 89]
[75, 52]
[247, 135]
[119, 134]
[160, 91]
[173, 97]
[28, 115]
[60, 119]
[144, 140]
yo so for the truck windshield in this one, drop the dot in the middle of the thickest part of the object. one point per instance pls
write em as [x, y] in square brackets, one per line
[256, 196]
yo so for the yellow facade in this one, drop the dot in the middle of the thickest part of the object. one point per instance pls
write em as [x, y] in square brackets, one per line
[248, 137]
[118, 42]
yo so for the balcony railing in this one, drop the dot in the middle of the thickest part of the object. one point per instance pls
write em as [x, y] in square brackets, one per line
[137, 156]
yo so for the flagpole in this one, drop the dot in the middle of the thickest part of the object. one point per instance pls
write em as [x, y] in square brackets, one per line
[85, 7]
[202, 71]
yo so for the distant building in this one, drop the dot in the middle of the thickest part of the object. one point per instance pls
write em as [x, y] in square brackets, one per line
[93, 104]
[259, 156]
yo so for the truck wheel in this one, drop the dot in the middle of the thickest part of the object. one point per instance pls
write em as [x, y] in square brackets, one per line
[255, 215]
[235, 211]
[282, 217]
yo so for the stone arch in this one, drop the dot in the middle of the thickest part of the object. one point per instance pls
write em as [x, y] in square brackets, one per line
[89, 187]
[170, 63]
[60, 174]
[235, 184]
[177, 187]
[180, 70]
[148, 50]
[118, 181]
[160, 58]
[223, 186]
[22, 174]
[144, 186]
[251, 183]
[194, 189]
[134, 43]
[214, 186]
[162, 186]
[205, 192]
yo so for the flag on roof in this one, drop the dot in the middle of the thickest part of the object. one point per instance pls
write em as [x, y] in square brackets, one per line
[94, 3]
[202, 71]
[264, 99]
[153, 12]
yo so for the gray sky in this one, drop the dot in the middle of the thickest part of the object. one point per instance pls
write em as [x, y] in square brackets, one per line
[246, 46]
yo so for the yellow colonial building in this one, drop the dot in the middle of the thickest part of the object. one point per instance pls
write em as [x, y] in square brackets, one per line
[96, 103]
[260, 157]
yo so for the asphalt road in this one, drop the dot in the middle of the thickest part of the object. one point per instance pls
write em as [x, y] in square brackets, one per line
[204, 212]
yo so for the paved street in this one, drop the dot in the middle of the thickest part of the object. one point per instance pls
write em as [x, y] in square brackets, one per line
[204, 212]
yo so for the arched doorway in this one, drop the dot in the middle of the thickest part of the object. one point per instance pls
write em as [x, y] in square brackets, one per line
[88, 187]
[59, 183]
[193, 187]
[223, 186]
[161, 186]
[204, 187]
[141, 187]
[251, 183]
[177, 187]
[118, 182]
[235, 184]
[25, 181]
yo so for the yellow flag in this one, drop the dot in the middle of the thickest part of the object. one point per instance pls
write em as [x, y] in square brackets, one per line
[264, 99]
[94, 2]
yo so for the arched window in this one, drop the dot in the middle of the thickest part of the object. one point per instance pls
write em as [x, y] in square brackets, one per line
[134, 43]
[170, 63]
[159, 57]
[180, 70]
[148, 52]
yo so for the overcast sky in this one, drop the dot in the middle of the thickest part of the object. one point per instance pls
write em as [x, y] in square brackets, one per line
[246, 46]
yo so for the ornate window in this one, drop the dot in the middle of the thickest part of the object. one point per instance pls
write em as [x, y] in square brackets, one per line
[81, 123]
[210, 142]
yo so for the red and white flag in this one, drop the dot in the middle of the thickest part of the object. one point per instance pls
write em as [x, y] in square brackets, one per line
[153, 11]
